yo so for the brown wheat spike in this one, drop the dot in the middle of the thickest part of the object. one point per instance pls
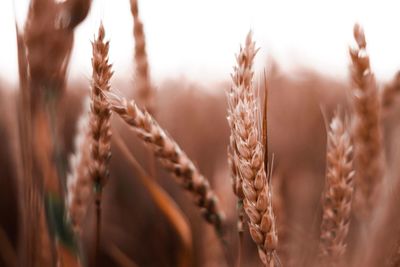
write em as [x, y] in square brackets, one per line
[338, 193]
[368, 154]
[79, 185]
[144, 88]
[172, 158]
[100, 113]
[247, 153]
[100, 132]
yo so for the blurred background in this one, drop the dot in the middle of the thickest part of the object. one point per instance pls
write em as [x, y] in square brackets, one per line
[191, 47]
[197, 39]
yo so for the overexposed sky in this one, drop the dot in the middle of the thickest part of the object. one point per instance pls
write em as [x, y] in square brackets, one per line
[199, 38]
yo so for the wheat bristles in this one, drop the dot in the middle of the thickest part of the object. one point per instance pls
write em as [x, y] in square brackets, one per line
[338, 193]
[247, 153]
[172, 158]
[368, 150]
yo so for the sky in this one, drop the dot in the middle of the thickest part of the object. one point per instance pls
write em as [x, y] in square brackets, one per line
[198, 39]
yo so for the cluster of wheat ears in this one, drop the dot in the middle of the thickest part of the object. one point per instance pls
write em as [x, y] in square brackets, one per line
[53, 215]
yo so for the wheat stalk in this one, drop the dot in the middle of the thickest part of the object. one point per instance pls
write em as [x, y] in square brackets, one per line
[368, 153]
[247, 154]
[172, 158]
[338, 193]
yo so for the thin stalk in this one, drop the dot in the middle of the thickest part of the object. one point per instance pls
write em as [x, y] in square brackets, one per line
[98, 227]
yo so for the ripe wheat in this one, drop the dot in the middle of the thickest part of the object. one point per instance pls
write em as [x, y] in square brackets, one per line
[247, 155]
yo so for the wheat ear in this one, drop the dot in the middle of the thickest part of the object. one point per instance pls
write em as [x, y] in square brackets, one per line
[144, 88]
[247, 154]
[172, 158]
[79, 184]
[368, 152]
[100, 132]
[338, 193]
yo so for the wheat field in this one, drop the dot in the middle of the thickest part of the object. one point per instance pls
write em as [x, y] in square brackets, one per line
[261, 169]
